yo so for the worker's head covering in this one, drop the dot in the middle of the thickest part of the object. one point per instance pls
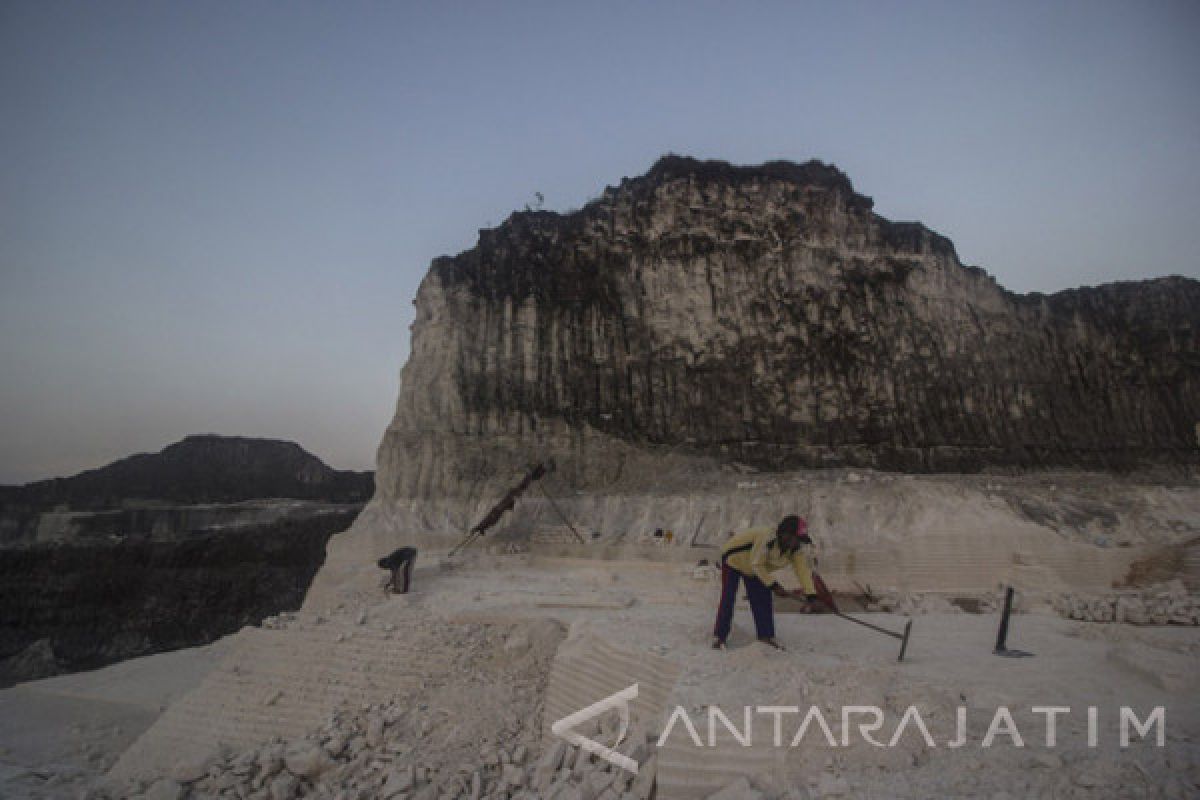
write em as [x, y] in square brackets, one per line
[794, 530]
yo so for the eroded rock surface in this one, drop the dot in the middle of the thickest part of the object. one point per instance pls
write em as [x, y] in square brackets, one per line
[765, 316]
[82, 604]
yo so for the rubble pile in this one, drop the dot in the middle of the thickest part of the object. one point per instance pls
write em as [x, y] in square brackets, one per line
[565, 772]
[465, 731]
[1163, 604]
[914, 603]
[365, 755]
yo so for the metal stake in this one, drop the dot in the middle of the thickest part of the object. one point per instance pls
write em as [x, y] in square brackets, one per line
[1002, 634]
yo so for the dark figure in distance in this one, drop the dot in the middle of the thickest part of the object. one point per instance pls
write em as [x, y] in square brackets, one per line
[398, 561]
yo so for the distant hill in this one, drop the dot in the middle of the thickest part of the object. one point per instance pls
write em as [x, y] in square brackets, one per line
[199, 469]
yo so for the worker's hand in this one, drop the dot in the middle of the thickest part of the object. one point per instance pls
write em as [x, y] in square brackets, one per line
[779, 591]
[810, 600]
[805, 606]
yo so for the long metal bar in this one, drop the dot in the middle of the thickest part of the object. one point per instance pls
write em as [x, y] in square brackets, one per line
[1002, 634]
[903, 637]
[466, 542]
[884, 631]
[507, 503]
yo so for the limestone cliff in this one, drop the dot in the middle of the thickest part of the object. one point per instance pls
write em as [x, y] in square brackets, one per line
[765, 316]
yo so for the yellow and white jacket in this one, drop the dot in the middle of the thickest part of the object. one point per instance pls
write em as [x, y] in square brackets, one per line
[755, 552]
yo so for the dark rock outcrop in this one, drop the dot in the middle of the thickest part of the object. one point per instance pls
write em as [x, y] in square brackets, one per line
[153, 521]
[165, 550]
[198, 469]
[82, 604]
[767, 316]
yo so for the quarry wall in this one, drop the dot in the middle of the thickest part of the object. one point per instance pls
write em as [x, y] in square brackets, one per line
[83, 604]
[705, 317]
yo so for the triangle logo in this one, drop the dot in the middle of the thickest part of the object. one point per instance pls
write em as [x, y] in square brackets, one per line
[618, 700]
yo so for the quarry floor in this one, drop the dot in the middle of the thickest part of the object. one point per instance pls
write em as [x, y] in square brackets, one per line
[61, 734]
[650, 624]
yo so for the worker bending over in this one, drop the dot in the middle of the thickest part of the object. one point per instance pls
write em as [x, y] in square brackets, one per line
[753, 556]
[400, 562]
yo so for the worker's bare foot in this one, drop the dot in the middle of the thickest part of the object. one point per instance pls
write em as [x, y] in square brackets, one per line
[772, 642]
[718, 644]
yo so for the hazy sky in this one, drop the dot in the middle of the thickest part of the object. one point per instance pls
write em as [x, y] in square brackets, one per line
[214, 215]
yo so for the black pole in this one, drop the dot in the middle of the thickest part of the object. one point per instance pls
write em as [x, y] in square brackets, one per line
[1002, 634]
[904, 641]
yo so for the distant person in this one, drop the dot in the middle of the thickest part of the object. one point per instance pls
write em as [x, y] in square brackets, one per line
[398, 561]
[752, 556]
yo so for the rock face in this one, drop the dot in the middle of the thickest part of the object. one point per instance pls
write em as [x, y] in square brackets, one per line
[165, 550]
[83, 604]
[765, 316]
[198, 469]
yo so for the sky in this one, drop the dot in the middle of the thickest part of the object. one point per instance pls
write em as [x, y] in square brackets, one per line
[214, 215]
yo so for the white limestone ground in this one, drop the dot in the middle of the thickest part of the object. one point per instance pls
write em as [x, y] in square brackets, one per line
[478, 644]
[449, 691]
[59, 735]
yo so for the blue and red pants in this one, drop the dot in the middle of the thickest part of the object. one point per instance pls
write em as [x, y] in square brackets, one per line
[760, 603]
